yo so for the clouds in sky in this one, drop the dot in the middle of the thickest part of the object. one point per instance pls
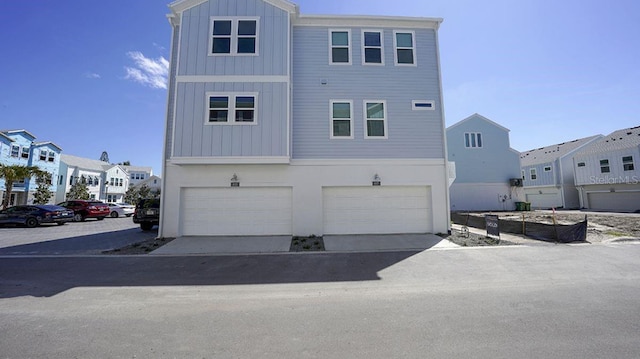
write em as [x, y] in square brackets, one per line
[92, 75]
[147, 71]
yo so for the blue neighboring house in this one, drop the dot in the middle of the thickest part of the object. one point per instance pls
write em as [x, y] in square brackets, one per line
[281, 123]
[18, 148]
[487, 168]
[548, 175]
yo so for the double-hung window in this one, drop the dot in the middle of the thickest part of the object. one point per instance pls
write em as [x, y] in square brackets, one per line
[375, 118]
[230, 109]
[604, 166]
[405, 51]
[15, 151]
[340, 43]
[472, 140]
[627, 163]
[51, 157]
[341, 119]
[372, 49]
[43, 155]
[534, 174]
[234, 36]
[25, 152]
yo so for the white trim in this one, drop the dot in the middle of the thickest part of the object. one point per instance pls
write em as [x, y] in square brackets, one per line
[234, 35]
[414, 106]
[368, 162]
[211, 79]
[381, 47]
[384, 120]
[533, 172]
[349, 47]
[479, 116]
[398, 22]
[231, 108]
[473, 143]
[229, 160]
[414, 48]
[331, 119]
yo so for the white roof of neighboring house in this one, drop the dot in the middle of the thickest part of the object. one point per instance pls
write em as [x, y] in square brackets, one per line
[85, 163]
[148, 181]
[627, 138]
[138, 169]
[552, 153]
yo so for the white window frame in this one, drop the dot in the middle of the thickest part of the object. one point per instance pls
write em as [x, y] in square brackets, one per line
[364, 48]
[548, 169]
[51, 157]
[384, 120]
[626, 163]
[15, 151]
[233, 51]
[43, 153]
[24, 152]
[533, 174]
[473, 140]
[331, 119]
[231, 119]
[582, 164]
[603, 166]
[349, 47]
[396, 48]
[415, 105]
[523, 175]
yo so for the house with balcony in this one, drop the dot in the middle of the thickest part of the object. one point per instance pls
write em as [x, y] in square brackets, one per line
[548, 175]
[18, 147]
[106, 182]
[281, 123]
[487, 168]
[607, 172]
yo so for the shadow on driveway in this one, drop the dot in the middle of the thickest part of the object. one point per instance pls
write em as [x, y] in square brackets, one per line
[48, 276]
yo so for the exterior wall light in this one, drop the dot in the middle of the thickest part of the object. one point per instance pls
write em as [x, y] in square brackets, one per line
[235, 182]
[376, 180]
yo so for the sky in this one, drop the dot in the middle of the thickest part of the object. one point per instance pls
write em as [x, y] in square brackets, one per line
[90, 75]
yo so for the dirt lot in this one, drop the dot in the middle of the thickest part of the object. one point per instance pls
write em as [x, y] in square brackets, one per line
[602, 227]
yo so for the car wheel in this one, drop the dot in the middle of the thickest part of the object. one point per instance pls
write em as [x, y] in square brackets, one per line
[146, 226]
[100, 218]
[78, 217]
[129, 215]
[31, 222]
[114, 214]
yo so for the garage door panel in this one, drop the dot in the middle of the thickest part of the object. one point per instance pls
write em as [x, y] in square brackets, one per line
[236, 211]
[369, 210]
[614, 201]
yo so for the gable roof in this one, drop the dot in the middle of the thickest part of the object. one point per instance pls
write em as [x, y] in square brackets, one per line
[9, 132]
[85, 163]
[553, 152]
[478, 116]
[2, 135]
[47, 143]
[179, 6]
[618, 140]
[138, 169]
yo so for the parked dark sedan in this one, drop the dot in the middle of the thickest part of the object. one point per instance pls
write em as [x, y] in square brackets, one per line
[34, 215]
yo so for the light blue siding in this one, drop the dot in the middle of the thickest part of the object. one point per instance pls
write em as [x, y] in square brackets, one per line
[494, 162]
[273, 33]
[544, 178]
[172, 93]
[51, 167]
[268, 137]
[411, 134]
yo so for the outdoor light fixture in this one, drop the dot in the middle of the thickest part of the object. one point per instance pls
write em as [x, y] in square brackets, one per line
[376, 180]
[235, 182]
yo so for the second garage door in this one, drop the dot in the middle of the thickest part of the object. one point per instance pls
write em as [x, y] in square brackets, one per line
[236, 211]
[377, 210]
[615, 201]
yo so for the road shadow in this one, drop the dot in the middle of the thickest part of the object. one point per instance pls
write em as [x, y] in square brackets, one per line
[82, 245]
[48, 276]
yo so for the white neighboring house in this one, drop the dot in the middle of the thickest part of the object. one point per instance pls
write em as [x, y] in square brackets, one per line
[105, 181]
[138, 174]
[548, 177]
[608, 172]
[154, 183]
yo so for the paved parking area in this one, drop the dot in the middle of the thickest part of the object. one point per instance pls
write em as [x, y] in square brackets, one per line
[73, 238]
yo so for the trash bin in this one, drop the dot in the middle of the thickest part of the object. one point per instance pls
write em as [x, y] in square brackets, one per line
[520, 206]
[527, 206]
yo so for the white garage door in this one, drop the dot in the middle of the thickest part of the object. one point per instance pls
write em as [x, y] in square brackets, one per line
[615, 201]
[545, 200]
[377, 210]
[236, 211]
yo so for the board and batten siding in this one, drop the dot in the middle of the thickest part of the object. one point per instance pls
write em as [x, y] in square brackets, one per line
[544, 178]
[194, 138]
[494, 162]
[273, 39]
[411, 134]
[171, 98]
[591, 174]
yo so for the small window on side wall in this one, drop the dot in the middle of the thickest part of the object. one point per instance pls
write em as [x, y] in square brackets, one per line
[231, 109]
[340, 44]
[582, 164]
[604, 166]
[627, 163]
[231, 36]
[404, 43]
[473, 140]
[423, 105]
[341, 119]
[372, 49]
[533, 174]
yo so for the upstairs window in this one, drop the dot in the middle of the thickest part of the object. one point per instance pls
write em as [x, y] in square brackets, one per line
[375, 119]
[547, 169]
[627, 163]
[234, 36]
[581, 164]
[473, 140]
[51, 157]
[523, 176]
[533, 174]
[43, 155]
[340, 41]
[341, 119]
[15, 151]
[604, 166]
[25, 152]
[231, 108]
[372, 50]
[404, 43]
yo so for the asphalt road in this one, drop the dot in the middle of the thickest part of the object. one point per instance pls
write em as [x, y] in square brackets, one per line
[511, 302]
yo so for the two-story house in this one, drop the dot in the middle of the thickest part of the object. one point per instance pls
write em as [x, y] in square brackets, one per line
[487, 168]
[548, 175]
[287, 124]
[17, 147]
[138, 174]
[105, 181]
[607, 172]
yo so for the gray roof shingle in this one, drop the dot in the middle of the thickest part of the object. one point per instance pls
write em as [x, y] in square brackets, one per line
[553, 152]
[618, 140]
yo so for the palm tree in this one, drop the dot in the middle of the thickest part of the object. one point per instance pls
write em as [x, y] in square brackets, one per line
[12, 174]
